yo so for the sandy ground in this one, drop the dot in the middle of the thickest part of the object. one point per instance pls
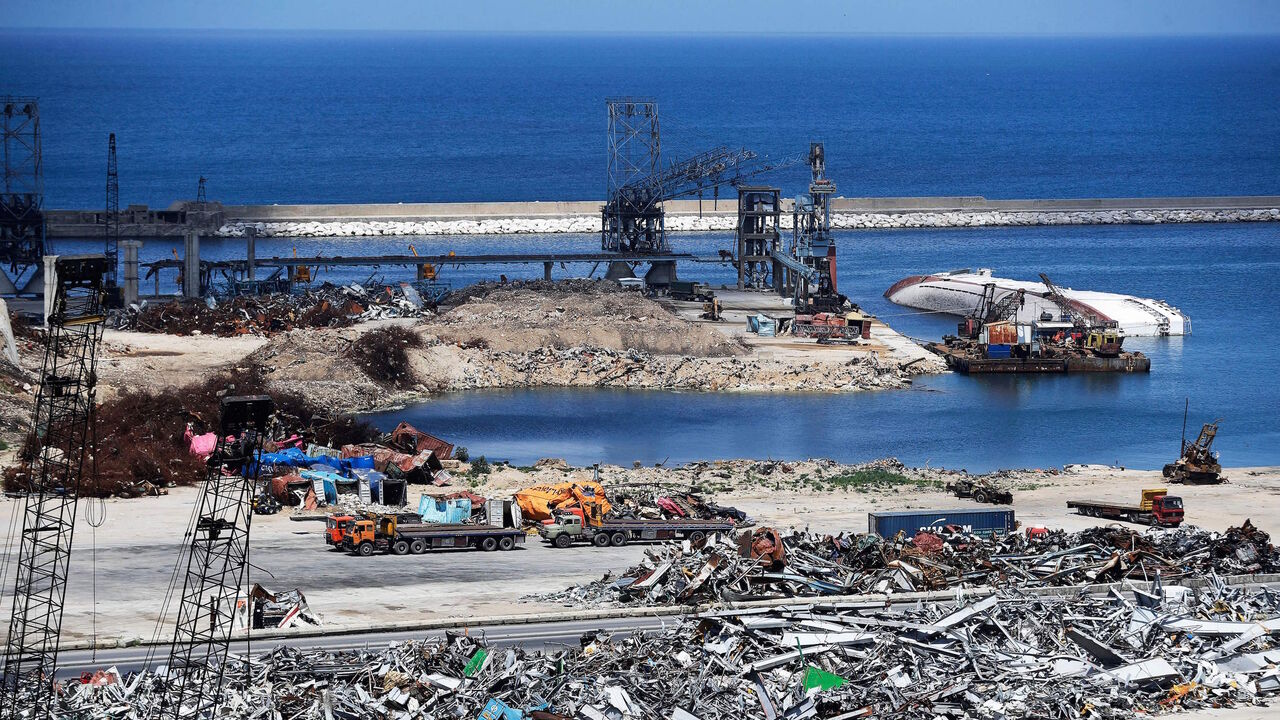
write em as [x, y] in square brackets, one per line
[136, 547]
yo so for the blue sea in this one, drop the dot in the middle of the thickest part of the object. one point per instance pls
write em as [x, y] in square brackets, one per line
[346, 117]
[351, 118]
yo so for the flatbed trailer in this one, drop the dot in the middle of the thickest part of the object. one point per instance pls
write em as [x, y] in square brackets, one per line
[417, 538]
[568, 529]
[1157, 509]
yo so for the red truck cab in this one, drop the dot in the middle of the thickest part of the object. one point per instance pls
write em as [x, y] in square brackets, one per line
[336, 528]
[1167, 510]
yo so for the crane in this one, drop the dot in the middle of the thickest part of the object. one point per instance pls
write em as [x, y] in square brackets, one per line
[216, 555]
[989, 310]
[60, 427]
[812, 243]
[1097, 333]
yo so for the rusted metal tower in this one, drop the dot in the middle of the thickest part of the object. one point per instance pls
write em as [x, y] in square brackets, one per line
[812, 241]
[216, 555]
[759, 239]
[22, 241]
[52, 472]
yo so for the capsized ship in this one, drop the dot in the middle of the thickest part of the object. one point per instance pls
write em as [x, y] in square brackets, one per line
[958, 292]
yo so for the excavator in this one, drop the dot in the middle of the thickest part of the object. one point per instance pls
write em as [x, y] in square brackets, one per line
[1197, 463]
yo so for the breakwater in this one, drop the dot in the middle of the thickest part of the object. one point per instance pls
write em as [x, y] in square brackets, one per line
[708, 223]
[507, 218]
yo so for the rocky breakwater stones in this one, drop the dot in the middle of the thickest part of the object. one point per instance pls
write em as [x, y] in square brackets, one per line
[723, 223]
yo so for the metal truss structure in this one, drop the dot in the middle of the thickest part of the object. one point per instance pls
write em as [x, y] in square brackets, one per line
[22, 237]
[111, 216]
[60, 426]
[759, 239]
[812, 242]
[216, 555]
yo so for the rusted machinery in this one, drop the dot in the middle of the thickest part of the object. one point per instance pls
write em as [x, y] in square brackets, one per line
[1197, 463]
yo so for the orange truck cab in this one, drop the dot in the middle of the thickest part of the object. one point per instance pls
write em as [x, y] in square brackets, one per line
[336, 528]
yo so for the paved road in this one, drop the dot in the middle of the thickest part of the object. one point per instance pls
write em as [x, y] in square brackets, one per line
[535, 636]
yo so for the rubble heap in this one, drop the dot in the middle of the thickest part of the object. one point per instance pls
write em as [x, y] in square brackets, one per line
[324, 306]
[766, 564]
[1006, 656]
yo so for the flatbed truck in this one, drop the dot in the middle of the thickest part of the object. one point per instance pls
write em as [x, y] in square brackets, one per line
[567, 528]
[1156, 508]
[388, 535]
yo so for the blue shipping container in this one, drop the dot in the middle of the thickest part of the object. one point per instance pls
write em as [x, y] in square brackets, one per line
[998, 352]
[986, 523]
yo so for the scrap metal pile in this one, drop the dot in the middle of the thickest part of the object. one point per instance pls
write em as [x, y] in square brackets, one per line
[650, 501]
[1008, 656]
[766, 564]
[324, 306]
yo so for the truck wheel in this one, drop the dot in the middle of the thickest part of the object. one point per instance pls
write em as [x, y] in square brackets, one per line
[489, 543]
[562, 541]
[600, 540]
[400, 547]
[364, 549]
[980, 496]
[417, 547]
[618, 539]
[697, 536]
[506, 543]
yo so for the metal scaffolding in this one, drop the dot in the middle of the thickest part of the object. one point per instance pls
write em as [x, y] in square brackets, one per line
[60, 428]
[216, 555]
[22, 239]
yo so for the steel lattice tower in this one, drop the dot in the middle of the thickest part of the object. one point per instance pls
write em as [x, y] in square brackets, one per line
[111, 239]
[635, 145]
[60, 426]
[22, 242]
[216, 561]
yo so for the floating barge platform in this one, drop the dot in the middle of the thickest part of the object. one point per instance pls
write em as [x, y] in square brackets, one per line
[966, 360]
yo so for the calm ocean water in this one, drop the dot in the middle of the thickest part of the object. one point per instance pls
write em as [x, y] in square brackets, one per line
[385, 118]
[348, 118]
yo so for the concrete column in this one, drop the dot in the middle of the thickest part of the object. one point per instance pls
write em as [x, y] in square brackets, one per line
[251, 253]
[130, 248]
[546, 271]
[50, 285]
[191, 266]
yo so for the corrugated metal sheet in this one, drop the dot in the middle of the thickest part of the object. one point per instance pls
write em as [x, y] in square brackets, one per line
[979, 522]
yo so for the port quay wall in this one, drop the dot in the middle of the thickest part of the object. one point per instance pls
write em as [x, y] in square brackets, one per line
[498, 218]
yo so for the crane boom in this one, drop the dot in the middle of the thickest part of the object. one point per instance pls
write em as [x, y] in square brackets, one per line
[1081, 316]
[60, 427]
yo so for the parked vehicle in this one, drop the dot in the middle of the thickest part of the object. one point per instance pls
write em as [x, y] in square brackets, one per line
[982, 490]
[1157, 508]
[567, 528]
[391, 534]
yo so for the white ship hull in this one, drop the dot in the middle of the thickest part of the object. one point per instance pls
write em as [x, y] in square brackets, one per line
[958, 292]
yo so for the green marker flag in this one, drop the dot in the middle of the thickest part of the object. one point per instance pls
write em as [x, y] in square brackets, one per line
[821, 679]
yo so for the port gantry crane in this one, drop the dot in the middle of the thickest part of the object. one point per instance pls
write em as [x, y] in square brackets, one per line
[216, 560]
[60, 431]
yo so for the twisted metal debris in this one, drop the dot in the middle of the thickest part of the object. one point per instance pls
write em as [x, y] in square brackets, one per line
[1011, 655]
[810, 565]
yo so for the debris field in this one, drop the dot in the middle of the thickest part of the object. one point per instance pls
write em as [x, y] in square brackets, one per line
[1011, 655]
[767, 564]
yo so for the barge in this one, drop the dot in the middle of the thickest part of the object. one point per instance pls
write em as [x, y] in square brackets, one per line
[957, 292]
[971, 359]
